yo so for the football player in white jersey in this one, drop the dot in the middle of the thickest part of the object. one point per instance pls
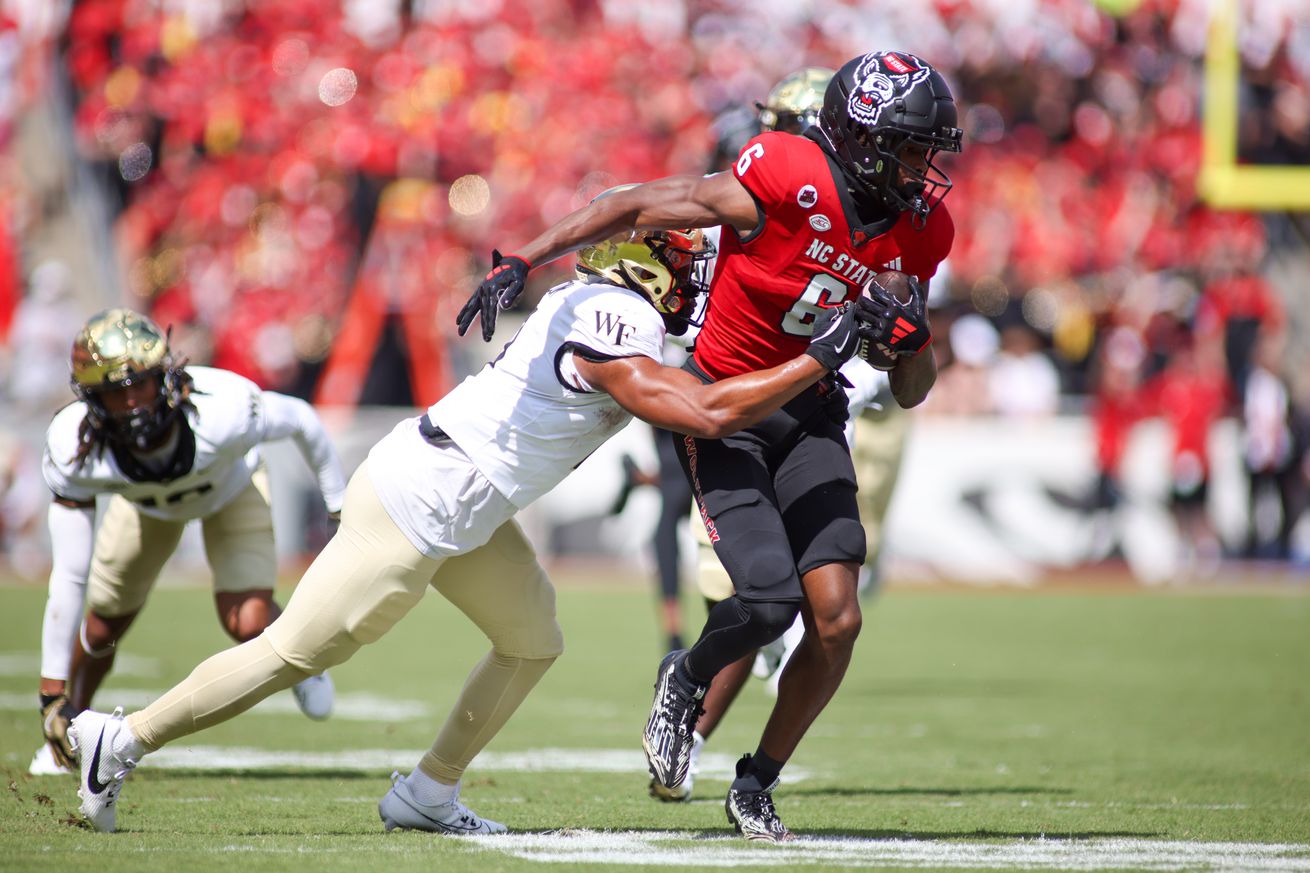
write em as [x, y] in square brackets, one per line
[170, 445]
[433, 506]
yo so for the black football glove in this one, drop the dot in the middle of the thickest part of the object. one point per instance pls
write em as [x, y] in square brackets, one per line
[836, 336]
[56, 713]
[501, 287]
[836, 402]
[889, 328]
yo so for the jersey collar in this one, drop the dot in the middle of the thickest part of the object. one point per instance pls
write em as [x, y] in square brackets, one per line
[861, 231]
[184, 458]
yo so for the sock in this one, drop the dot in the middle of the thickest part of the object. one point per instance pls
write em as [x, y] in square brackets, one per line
[127, 746]
[760, 773]
[686, 678]
[697, 743]
[429, 791]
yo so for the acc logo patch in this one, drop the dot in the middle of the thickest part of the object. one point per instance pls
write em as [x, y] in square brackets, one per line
[807, 196]
[820, 222]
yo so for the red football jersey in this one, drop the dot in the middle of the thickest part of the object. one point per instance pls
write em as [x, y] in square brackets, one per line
[768, 286]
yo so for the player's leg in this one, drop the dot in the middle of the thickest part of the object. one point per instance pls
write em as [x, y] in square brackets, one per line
[716, 586]
[366, 578]
[815, 485]
[831, 613]
[242, 554]
[505, 592]
[734, 493]
[502, 588]
[130, 550]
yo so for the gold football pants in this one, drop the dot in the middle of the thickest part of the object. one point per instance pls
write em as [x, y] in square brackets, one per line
[366, 578]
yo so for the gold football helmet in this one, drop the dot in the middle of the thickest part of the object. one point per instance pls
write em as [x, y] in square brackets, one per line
[794, 102]
[117, 348]
[662, 265]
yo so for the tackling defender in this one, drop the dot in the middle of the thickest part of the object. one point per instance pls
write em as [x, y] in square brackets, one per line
[434, 504]
[170, 444]
[807, 220]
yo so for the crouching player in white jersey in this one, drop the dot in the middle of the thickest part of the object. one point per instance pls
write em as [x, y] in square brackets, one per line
[434, 504]
[171, 445]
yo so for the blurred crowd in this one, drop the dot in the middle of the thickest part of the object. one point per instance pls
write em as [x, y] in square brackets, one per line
[271, 166]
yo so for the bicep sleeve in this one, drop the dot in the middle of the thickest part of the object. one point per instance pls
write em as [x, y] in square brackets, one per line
[72, 535]
[292, 417]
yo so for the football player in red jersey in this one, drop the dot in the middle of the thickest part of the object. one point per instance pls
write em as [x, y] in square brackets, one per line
[807, 221]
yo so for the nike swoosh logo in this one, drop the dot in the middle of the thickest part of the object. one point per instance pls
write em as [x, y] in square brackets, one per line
[841, 347]
[92, 782]
[445, 826]
[836, 323]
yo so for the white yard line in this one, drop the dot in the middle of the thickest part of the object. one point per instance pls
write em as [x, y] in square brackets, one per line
[28, 664]
[671, 848]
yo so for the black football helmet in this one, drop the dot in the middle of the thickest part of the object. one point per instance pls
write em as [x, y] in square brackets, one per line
[878, 108]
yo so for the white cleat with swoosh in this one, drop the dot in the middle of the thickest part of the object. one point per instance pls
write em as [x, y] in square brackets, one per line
[400, 809]
[93, 735]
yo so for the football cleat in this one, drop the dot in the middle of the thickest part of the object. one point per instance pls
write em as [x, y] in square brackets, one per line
[55, 717]
[400, 809]
[93, 735]
[752, 812]
[44, 763]
[668, 738]
[315, 696]
[681, 794]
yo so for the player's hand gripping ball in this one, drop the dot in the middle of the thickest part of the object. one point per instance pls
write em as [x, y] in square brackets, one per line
[893, 319]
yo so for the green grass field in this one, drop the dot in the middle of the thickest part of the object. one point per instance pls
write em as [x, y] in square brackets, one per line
[1116, 730]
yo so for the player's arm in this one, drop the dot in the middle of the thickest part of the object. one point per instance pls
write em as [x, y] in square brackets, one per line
[671, 203]
[286, 416]
[915, 372]
[676, 400]
[913, 378]
[72, 534]
[674, 202]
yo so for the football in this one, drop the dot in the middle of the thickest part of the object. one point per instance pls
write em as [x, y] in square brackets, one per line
[896, 283]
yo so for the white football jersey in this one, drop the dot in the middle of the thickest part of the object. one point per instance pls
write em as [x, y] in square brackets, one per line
[230, 419]
[527, 418]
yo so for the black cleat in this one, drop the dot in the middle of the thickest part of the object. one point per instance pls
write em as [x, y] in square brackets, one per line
[752, 812]
[668, 736]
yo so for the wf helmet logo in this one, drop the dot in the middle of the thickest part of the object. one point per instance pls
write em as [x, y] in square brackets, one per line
[879, 79]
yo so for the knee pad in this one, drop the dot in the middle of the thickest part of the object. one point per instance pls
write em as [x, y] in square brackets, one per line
[735, 628]
[759, 622]
[533, 641]
[773, 617]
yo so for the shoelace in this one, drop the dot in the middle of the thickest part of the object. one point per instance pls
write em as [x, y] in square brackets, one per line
[690, 716]
[682, 702]
[762, 805]
[116, 783]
